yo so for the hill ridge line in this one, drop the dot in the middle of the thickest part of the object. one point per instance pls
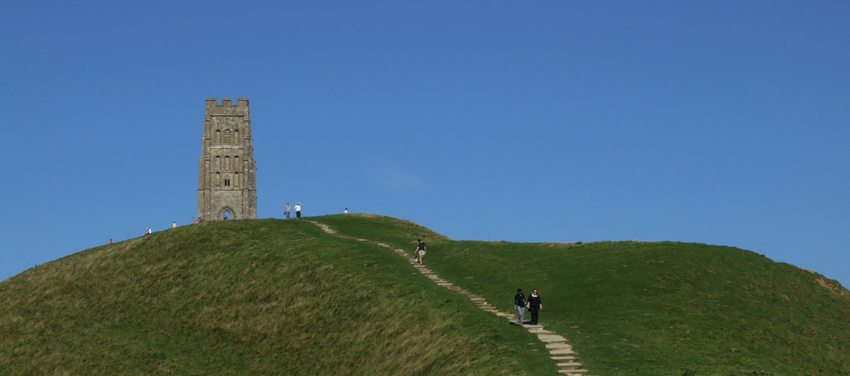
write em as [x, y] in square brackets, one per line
[559, 348]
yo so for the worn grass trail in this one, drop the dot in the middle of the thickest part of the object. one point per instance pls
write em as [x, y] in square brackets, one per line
[557, 346]
[650, 308]
[259, 297]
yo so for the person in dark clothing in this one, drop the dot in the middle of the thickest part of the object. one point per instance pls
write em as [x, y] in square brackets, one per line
[421, 249]
[534, 306]
[519, 306]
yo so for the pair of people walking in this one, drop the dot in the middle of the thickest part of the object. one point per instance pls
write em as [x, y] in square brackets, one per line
[297, 211]
[533, 304]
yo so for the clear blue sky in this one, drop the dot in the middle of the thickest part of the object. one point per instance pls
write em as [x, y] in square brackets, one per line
[715, 122]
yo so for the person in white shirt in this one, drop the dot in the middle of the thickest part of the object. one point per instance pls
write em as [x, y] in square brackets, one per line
[298, 210]
[346, 210]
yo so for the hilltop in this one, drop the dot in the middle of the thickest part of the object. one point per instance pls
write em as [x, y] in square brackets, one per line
[251, 297]
[282, 297]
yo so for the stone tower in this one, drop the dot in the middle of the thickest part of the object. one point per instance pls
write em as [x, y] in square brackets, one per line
[227, 178]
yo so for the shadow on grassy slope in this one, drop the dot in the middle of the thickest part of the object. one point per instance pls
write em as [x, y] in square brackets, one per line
[261, 297]
[652, 308]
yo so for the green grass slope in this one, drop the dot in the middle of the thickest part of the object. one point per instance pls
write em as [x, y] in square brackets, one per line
[262, 297]
[651, 308]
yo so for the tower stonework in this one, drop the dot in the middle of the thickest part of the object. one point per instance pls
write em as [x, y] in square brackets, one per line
[227, 178]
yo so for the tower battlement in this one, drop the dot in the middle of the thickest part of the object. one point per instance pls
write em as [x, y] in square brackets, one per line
[227, 107]
[227, 102]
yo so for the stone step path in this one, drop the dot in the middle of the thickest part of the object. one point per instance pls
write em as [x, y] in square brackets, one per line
[559, 348]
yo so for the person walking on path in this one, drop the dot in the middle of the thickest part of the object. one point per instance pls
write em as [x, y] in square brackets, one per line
[519, 306]
[286, 211]
[534, 306]
[298, 211]
[421, 249]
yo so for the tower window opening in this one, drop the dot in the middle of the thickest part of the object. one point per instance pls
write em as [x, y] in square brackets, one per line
[227, 182]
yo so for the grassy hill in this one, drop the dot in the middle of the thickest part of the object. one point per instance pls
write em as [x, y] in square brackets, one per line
[263, 297]
[651, 308]
[269, 297]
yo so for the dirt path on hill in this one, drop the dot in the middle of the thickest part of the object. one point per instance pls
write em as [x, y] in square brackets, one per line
[559, 349]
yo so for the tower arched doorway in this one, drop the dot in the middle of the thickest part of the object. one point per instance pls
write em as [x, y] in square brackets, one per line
[226, 212]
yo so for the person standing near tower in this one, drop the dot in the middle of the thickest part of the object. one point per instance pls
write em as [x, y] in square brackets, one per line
[286, 211]
[298, 211]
